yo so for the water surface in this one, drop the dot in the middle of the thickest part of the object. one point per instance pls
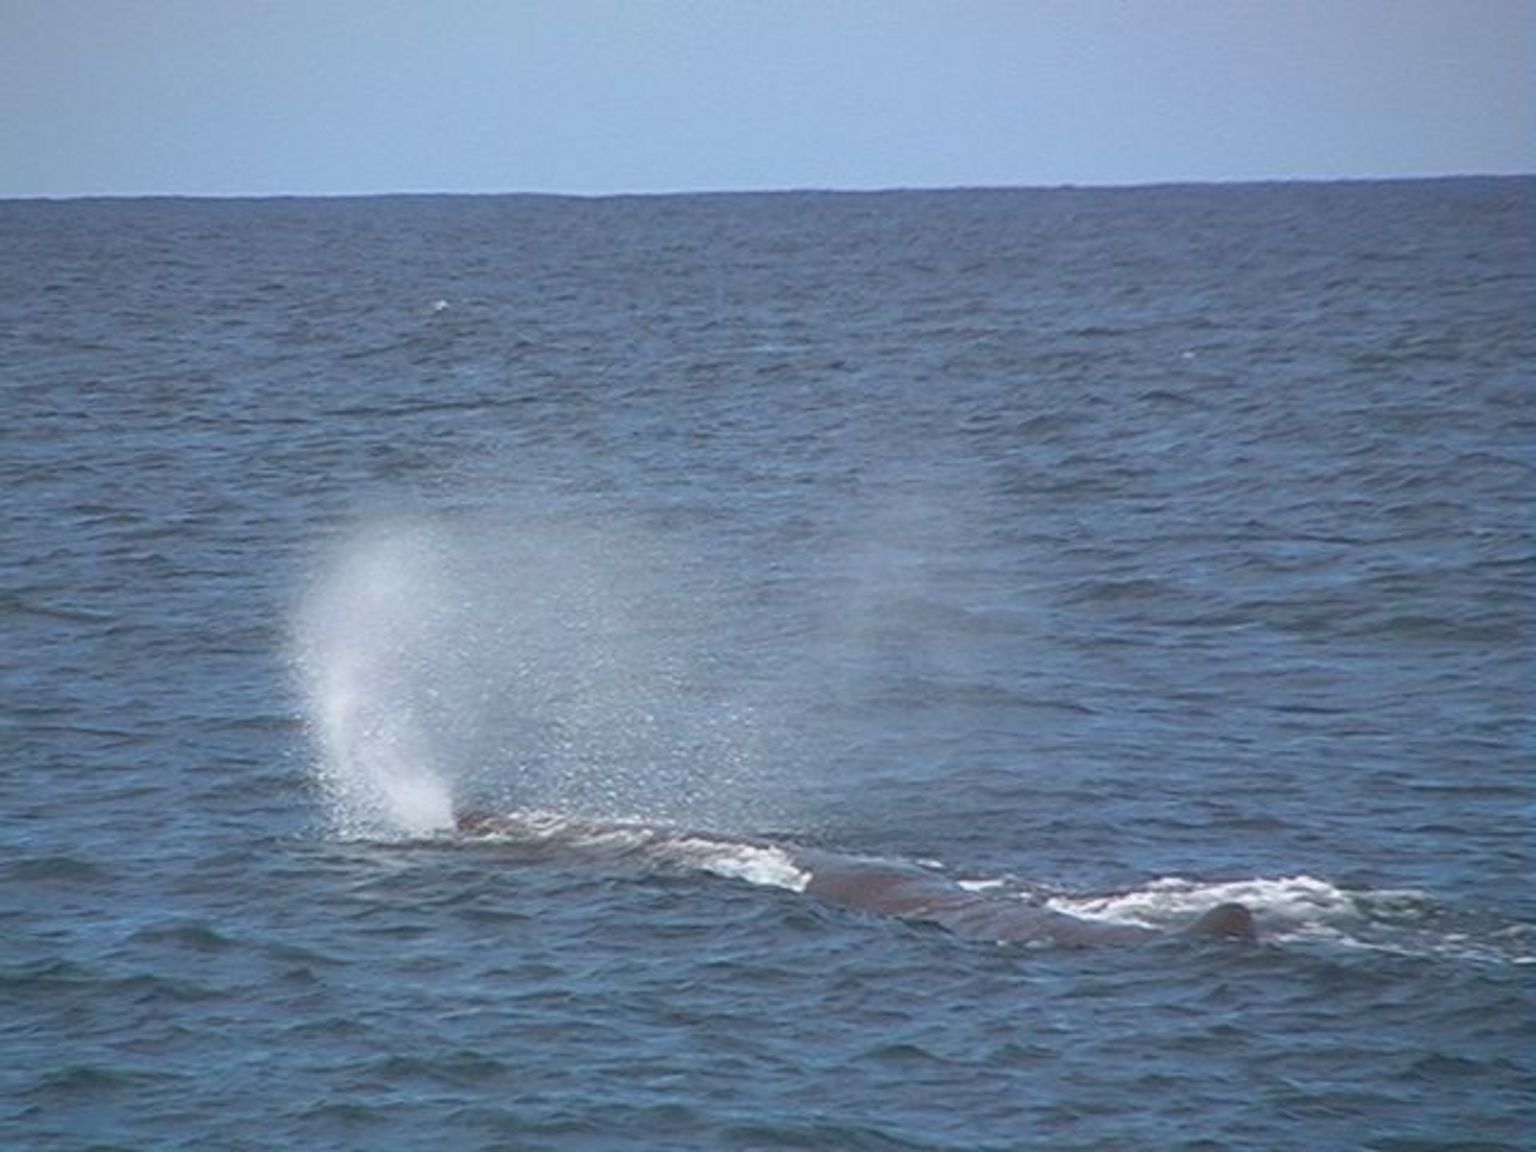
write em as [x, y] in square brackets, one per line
[1123, 550]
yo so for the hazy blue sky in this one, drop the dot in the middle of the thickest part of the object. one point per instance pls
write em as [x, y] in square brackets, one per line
[335, 96]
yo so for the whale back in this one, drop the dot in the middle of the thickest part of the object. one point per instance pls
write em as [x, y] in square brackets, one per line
[899, 889]
[1226, 922]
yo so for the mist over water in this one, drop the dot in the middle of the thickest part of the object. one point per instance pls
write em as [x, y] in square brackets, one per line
[367, 651]
[483, 661]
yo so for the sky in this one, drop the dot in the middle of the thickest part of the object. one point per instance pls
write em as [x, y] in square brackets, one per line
[266, 97]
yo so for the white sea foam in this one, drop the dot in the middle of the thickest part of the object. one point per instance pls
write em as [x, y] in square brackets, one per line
[1302, 910]
[765, 866]
[1288, 901]
[983, 886]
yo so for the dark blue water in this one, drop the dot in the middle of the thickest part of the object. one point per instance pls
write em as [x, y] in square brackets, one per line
[1125, 551]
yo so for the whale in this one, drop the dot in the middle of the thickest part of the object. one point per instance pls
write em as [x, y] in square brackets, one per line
[913, 893]
[880, 887]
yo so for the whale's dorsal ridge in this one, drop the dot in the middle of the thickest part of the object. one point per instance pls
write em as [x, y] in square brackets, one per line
[1231, 921]
[908, 891]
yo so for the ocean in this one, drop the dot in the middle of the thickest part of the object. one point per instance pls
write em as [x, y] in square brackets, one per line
[1111, 552]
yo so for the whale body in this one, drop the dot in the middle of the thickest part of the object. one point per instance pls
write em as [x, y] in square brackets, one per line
[877, 886]
[918, 894]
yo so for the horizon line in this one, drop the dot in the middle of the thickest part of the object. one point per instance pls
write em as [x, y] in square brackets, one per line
[781, 190]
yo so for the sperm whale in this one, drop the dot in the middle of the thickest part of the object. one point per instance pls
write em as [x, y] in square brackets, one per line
[910, 892]
[880, 887]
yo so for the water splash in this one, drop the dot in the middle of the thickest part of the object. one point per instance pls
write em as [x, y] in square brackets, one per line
[1285, 902]
[660, 846]
[1307, 910]
[363, 631]
[478, 661]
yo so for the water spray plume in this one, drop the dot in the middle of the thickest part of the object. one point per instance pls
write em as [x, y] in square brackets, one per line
[483, 662]
[362, 633]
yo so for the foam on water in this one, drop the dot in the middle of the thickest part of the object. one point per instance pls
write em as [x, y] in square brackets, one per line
[1288, 901]
[1303, 910]
[763, 865]
[665, 847]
